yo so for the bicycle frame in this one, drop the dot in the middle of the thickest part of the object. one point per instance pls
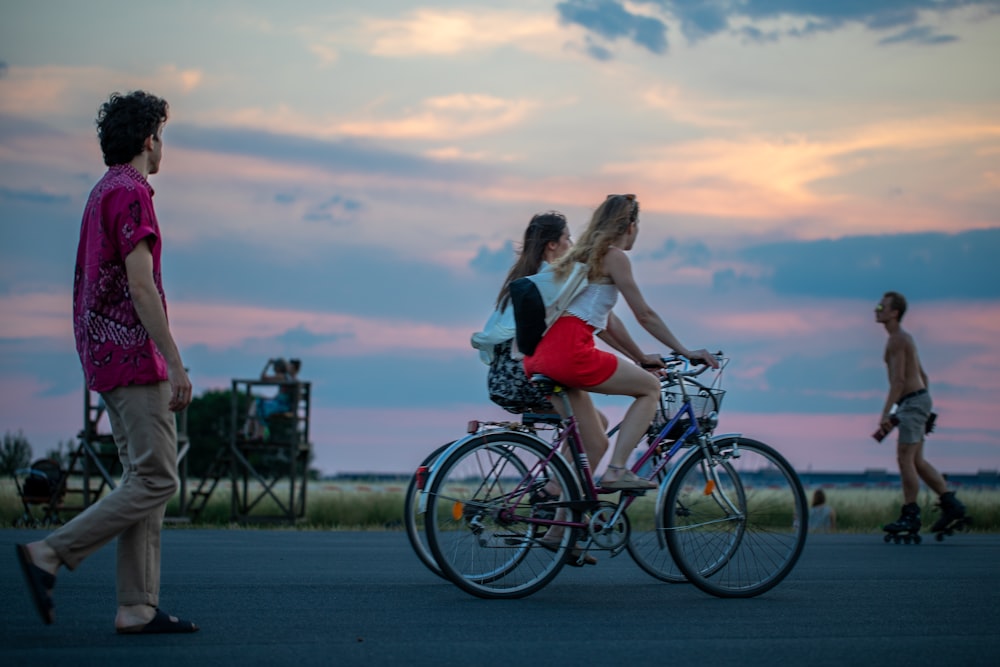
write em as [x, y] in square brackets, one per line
[570, 433]
[495, 493]
[590, 489]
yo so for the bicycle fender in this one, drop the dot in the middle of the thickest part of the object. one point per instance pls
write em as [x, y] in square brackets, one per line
[434, 467]
[661, 493]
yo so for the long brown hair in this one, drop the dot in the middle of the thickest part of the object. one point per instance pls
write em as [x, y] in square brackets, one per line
[544, 228]
[609, 222]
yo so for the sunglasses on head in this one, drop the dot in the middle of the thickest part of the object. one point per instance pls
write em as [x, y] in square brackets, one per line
[634, 211]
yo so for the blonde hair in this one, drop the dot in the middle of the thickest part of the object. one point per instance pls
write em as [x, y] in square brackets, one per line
[609, 223]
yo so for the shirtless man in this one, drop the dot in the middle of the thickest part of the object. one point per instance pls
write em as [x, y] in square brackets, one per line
[908, 392]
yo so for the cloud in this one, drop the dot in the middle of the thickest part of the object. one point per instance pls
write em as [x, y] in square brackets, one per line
[24, 127]
[919, 35]
[612, 21]
[684, 106]
[3, 69]
[337, 210]
[448, 117]
[686, 253]
[829, 174]
[56, 90]
[450, 32]
[922, 266]
[645, 22]
[330, 278]
[494, 261]
[335, 155]
[33, 196]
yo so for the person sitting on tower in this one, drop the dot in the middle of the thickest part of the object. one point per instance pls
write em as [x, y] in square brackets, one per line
[262, 409]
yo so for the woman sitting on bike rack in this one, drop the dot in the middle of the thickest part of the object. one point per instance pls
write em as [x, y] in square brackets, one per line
[567, 352]
[546, 239]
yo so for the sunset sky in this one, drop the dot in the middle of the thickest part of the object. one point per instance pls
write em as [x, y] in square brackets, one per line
[345, 182]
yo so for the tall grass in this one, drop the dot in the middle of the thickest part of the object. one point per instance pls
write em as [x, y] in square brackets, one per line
[859, 510]
[863, 510]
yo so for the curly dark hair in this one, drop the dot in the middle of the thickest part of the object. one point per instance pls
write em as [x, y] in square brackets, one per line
[124, 122]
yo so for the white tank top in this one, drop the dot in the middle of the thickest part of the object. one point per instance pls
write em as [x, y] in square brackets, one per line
[594, 303]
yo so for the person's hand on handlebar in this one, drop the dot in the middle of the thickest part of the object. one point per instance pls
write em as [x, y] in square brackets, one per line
[704, 355]
[651, 362]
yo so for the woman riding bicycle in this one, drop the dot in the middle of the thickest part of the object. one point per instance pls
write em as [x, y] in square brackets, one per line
[546, 239]
[567, 353]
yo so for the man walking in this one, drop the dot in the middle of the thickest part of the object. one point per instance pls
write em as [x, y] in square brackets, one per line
[908, 391]
[130, 358]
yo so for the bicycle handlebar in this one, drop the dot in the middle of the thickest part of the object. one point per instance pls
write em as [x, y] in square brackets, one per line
[679, 360]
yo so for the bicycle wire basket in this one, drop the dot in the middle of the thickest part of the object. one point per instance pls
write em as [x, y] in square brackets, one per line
[706, 401]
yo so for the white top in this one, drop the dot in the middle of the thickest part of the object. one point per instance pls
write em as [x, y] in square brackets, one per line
[820, 519]
[499, 328]
[594, 304]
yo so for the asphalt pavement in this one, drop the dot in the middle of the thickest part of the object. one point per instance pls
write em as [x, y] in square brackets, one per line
[286, 597]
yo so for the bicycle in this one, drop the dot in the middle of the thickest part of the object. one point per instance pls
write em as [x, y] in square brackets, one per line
[650, 553]
[491, 536]
[413, 515]
[659, 563]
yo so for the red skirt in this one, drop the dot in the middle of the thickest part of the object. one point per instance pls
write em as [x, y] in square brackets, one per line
[567, 354]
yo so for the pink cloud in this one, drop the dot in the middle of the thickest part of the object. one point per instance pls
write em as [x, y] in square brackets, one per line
[221, 325]
[843, 442]
[37, 315]
[46, 420]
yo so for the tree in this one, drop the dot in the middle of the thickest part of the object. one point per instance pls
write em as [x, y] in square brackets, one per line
[15, 453]
[209, 419]
[61, 453]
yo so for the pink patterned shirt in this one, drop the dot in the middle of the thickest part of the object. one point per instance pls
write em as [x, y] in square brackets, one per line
[114, 347]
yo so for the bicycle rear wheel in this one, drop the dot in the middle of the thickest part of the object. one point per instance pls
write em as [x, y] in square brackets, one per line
[413, 518]
[478, 511]
[741, 535]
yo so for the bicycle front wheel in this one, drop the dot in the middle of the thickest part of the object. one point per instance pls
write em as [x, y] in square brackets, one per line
[648, 538]
[740, 532]
[479, 518]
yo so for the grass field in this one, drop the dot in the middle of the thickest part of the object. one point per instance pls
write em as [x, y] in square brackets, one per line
[379, 506]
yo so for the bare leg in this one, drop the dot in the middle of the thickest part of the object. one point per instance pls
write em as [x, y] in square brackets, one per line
[913, 468]
[629, 380]
[927, 472]
[592, 424]
[905, 453]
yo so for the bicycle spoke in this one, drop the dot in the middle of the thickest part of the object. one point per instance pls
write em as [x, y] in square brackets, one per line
[478, 516]
[742, 537]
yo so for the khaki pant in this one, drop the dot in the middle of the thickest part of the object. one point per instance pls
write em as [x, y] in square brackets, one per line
[145, 433]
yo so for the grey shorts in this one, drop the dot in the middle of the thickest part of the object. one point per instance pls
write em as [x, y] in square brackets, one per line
[912, 413]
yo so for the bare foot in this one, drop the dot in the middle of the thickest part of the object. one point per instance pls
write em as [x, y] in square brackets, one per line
[622, 478]
[44, 557]
[134, 615]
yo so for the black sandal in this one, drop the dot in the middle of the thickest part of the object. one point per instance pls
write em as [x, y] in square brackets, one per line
[162, 624]
[40, 583]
